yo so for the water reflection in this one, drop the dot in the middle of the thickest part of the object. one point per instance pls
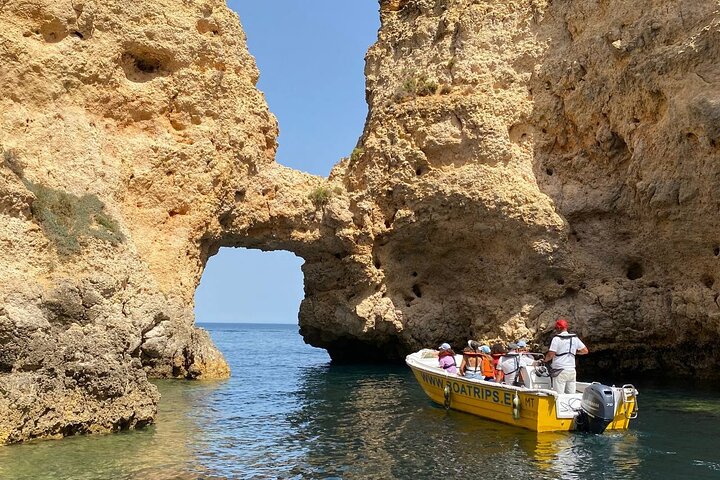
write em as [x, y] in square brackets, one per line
[162, 451]
[379, 423]
[304, 418]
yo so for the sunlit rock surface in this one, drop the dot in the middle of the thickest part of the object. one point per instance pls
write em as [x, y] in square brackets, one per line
[521, 161]
[525, 160]
[126, 128]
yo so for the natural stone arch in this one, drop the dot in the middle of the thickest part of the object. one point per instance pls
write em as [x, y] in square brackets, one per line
[475, 181]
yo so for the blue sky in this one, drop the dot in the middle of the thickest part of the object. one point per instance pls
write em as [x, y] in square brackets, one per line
[311, 56]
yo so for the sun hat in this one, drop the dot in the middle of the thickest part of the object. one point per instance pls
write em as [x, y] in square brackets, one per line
[561, 324]
[444, 346]
[512, 346]
[521, 344]
[485, 349]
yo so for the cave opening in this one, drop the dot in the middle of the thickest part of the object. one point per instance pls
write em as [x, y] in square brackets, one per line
[311, 70]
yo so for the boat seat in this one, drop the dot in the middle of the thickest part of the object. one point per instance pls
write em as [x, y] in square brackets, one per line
[535, 381]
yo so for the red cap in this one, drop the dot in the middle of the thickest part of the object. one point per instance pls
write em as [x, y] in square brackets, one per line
[561, 324]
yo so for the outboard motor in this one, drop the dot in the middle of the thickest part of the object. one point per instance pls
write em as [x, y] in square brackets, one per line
[597, 409]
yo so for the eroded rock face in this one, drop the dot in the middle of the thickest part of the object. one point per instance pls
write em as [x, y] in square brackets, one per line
[624, 145]
[522, 160]
[457, 239]
[525, 160]
[127, 133]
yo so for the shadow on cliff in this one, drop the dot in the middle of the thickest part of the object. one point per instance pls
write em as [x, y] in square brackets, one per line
[621, 147]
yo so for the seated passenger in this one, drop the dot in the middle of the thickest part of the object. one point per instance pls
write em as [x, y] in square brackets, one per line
[510, 365]
[524, 350]
[446, 358]
[497, 351]
[477, 362]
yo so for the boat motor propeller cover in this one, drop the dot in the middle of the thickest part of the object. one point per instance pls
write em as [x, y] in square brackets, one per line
[597, 409]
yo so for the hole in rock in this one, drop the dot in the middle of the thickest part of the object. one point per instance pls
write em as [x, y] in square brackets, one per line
[549, 172]
[147, 65]
[708, 280]
[376, 262]
[53, 31]
[634, 271]
[519, 132]
[416, 290]
[142, 65]
[716, 251]
[241, 285]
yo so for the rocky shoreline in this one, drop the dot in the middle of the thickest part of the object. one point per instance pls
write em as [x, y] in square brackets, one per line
[521, 160]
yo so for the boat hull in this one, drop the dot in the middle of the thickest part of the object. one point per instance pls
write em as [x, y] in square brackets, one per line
[531, 409]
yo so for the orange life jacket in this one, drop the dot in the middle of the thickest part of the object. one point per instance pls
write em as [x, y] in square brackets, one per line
[486, 363]
[495, 360]
[487, 366]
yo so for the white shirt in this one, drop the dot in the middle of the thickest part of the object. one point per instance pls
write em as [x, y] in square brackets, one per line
[565, 343]
[510, 366]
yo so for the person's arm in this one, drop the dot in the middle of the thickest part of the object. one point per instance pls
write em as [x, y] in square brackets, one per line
[549, 356]
[499, 374]
[461, 370]
[583, 350]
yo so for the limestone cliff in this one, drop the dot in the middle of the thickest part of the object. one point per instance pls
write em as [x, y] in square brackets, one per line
[522, 159]
[128, 131]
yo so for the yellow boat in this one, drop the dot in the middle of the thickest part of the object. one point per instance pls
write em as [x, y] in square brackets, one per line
[594, 407]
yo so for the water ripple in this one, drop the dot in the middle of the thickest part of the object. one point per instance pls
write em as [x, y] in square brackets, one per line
[295, 416]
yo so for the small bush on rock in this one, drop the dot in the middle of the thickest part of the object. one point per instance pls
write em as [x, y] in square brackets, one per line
[419, 86]
[65, 218]
[320, 196]
[356, 154]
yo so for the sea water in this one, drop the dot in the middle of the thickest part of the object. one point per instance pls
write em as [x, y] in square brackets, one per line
[288, 413]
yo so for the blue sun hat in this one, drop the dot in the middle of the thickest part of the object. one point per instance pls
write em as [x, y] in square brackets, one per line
[521, 344]
[444, 346]
[485, 349]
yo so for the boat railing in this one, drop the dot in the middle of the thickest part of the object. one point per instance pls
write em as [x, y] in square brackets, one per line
[419, 360]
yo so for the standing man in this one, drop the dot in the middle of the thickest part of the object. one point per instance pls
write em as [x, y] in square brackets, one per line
[563, 348]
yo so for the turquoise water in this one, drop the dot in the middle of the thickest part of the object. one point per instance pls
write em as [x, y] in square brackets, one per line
[288, 413]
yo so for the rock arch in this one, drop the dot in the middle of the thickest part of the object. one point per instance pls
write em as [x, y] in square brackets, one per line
[507, 173]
